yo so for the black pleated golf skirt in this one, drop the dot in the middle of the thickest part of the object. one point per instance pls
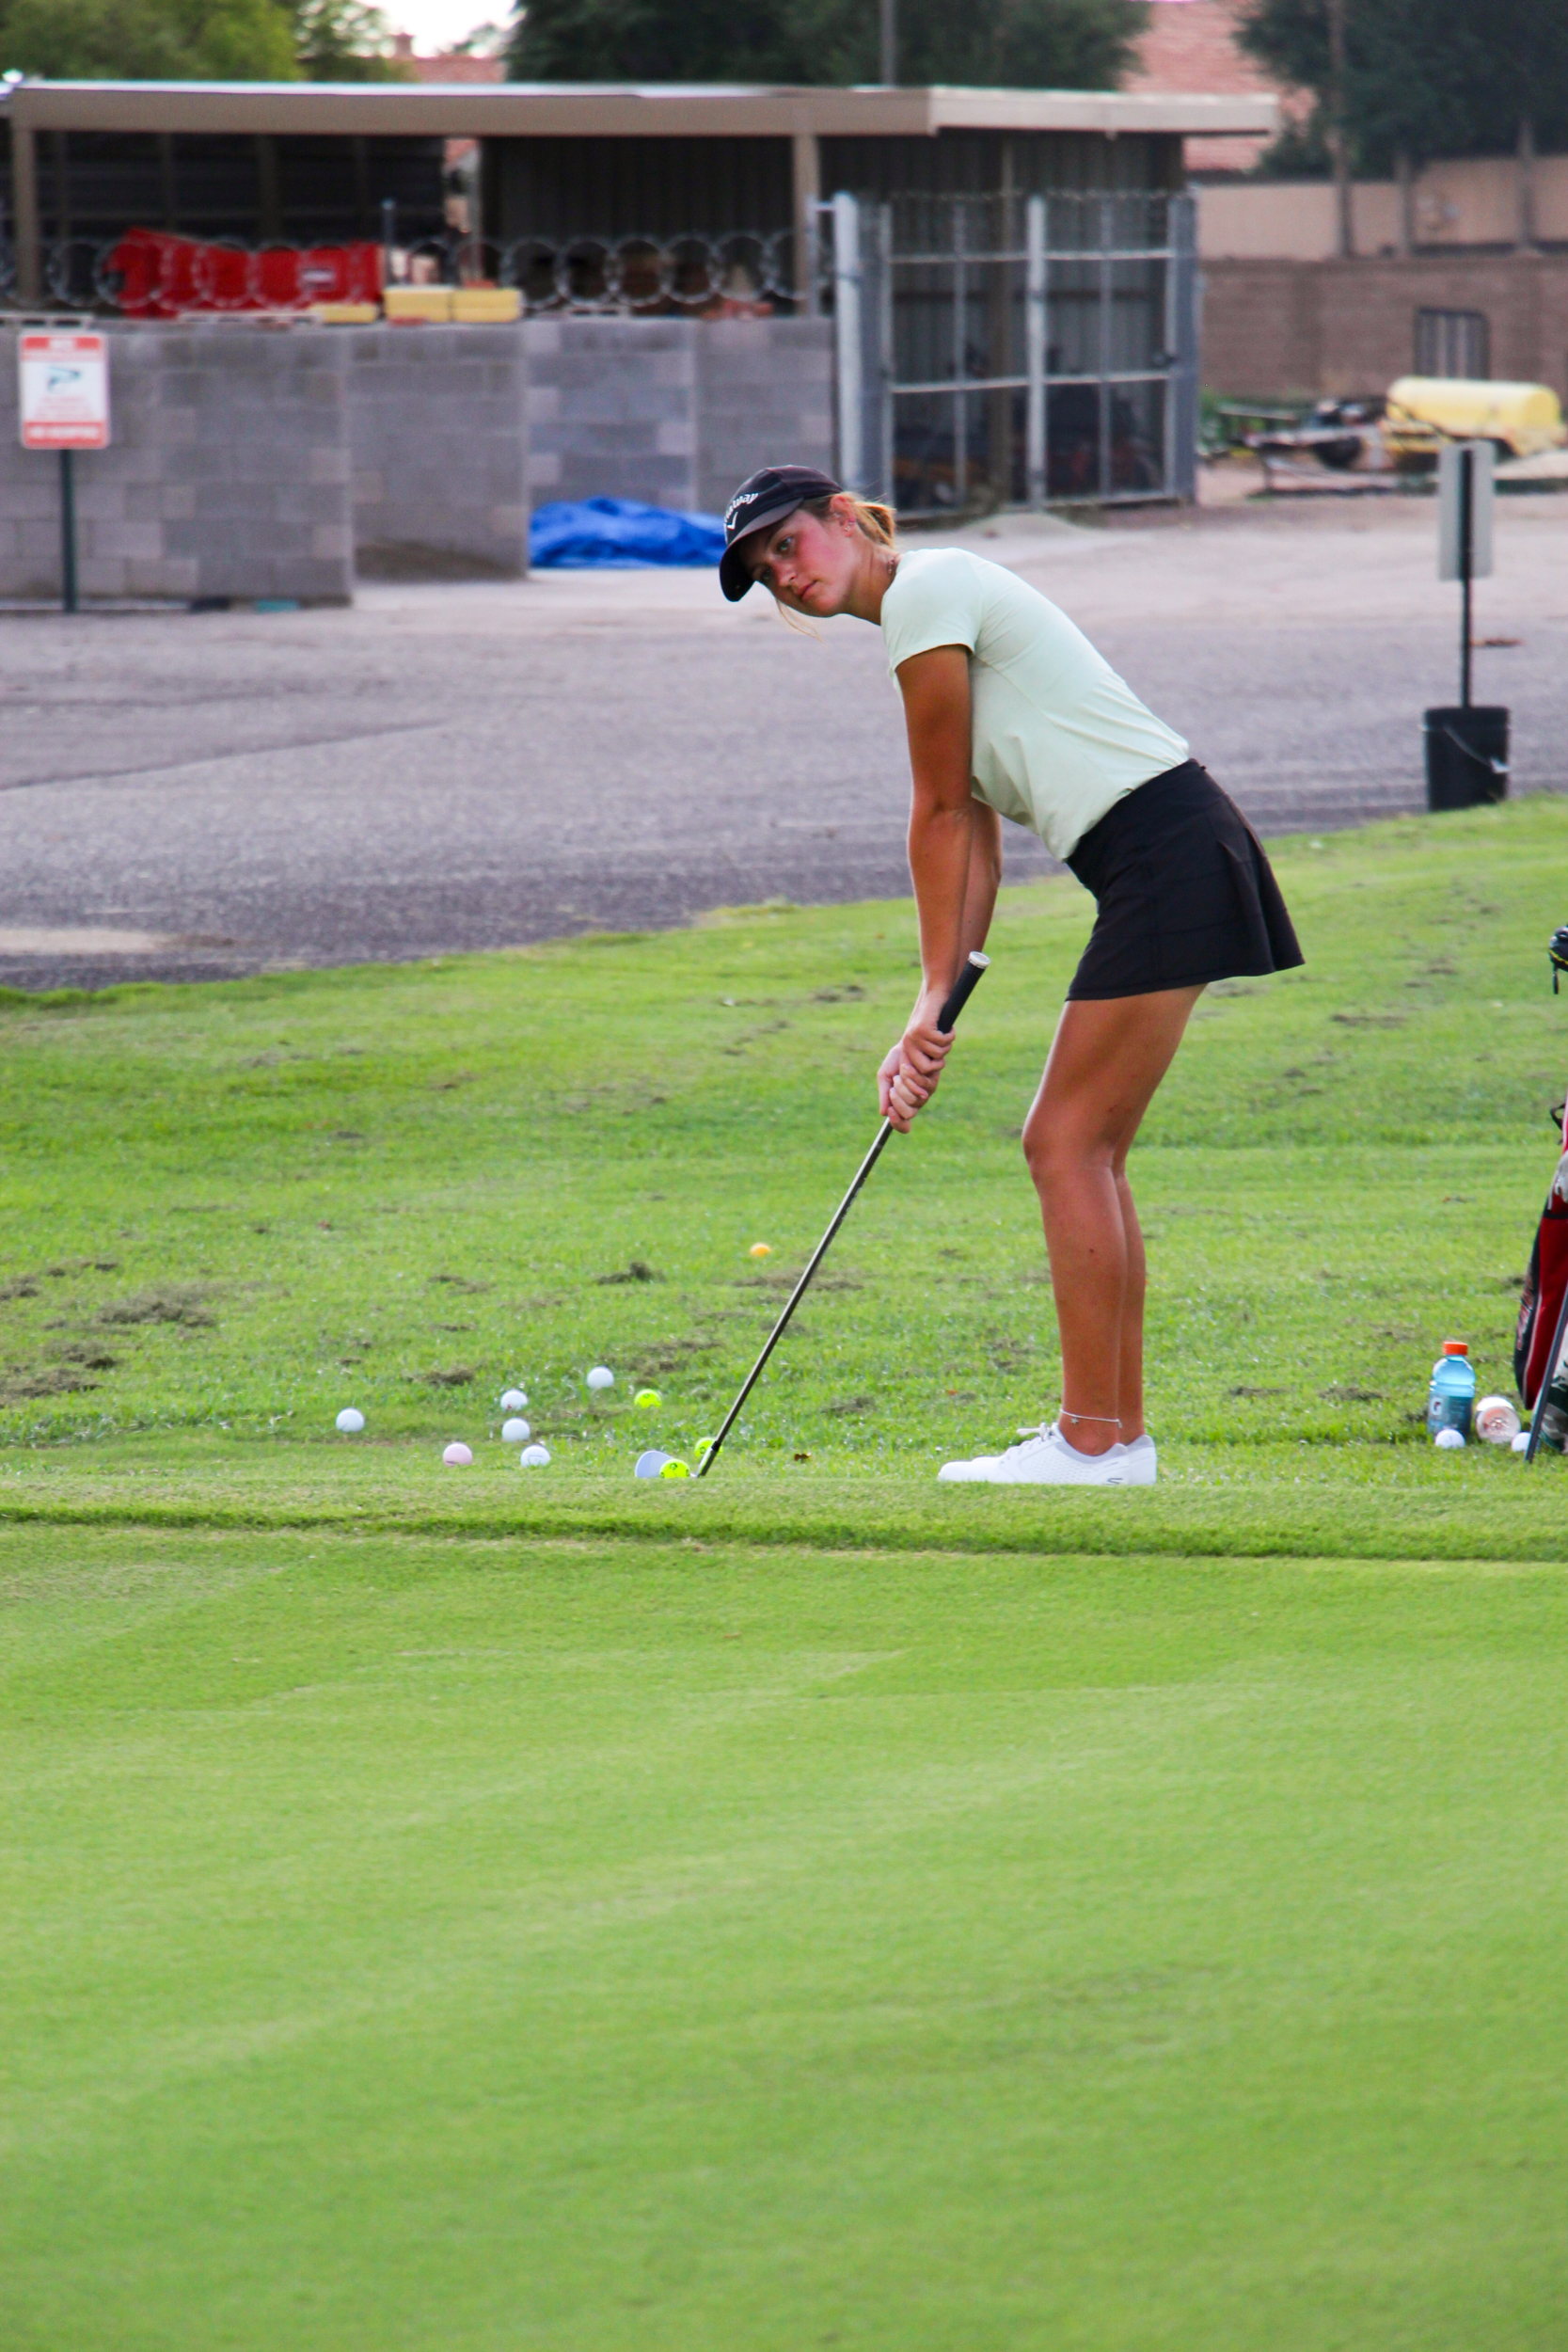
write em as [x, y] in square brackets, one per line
[1184, 891]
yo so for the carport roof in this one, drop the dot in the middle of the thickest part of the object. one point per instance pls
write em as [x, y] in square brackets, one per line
[615, 110]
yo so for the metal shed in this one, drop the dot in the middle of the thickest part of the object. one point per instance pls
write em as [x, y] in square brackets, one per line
[306, 162]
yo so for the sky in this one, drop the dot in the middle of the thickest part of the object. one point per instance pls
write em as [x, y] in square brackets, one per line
[436, 23]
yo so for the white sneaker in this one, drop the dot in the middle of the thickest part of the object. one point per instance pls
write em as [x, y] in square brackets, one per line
[1143, 1463]
[967, 1473]
[1043, 1459]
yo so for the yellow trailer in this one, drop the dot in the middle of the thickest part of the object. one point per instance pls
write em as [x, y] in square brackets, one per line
[1423, 411]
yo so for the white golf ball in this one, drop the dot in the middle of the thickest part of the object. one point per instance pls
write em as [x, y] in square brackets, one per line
[534, 1457]
[516, 1431]
[458, 1455]
[601, 1378]
[1521, 1444]
[512, 1399]
[351, 1421]
[1450, 1439]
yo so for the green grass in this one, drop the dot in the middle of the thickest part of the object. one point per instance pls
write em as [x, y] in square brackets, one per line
[226, 1211]
[472, 1910]
[463, 1946]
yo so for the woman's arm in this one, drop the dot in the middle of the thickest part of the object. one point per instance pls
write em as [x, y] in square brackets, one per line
[954, 862]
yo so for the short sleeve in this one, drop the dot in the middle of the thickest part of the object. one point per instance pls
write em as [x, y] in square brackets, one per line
[936, 598]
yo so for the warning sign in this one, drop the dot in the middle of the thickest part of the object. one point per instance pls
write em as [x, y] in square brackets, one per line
[65, 391]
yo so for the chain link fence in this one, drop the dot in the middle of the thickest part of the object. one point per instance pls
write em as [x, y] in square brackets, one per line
[1014, 350]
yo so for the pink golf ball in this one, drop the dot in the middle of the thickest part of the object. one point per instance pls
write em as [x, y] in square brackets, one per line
[458, 1455]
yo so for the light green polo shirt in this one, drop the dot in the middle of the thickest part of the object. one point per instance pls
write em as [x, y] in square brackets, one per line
[1057, 738]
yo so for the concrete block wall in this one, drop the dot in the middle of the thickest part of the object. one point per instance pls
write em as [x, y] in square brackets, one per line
[611, 409]
[256, 462]
[673, 411]
[228, 473]
[765, 397]
[1336, 328]
[438, 431]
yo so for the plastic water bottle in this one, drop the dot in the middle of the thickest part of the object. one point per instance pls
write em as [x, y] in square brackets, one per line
[1453, 1390]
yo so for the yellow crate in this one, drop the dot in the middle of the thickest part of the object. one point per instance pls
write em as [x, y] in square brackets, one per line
[417, 306]
[486, 306]
[345, 313]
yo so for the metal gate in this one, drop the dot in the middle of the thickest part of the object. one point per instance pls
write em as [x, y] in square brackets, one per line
[1014, 351]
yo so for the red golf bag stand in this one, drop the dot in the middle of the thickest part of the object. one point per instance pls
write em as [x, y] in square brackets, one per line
[1540, 1342]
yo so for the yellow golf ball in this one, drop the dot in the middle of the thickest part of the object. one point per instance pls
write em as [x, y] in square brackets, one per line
[674, 1469]
[647, 1398]
[761, 1249]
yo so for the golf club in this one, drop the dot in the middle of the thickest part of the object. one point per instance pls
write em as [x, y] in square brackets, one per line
[964, 987]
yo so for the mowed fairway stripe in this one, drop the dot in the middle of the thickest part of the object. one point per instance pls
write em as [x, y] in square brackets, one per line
[588, 1944]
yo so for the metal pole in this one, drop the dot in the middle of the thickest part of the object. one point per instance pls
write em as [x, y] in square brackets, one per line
[1107, 228]
[1466, 558]
[1172, 344]
[388, 238]
[24, 207]
[889, 43]
[1035, 345]
[848, 339]
[887, 445]
[961, 355]
[68, 533]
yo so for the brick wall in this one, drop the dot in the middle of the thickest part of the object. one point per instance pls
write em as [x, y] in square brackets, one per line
[438, 430]
[1336, 327]
[1192, 46]
[228, 475]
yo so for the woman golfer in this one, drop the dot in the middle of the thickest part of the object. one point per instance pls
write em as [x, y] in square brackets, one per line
[1010, 712]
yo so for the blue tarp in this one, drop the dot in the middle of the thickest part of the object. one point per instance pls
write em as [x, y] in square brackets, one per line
[620, 534]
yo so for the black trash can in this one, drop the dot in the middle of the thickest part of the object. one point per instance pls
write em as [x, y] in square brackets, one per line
[1466, 755]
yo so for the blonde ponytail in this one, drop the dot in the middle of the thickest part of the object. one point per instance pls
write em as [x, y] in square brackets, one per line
[878, 522]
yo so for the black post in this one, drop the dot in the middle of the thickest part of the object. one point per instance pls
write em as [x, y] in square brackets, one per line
[1466, 558]
[388, 238]
[67, 534]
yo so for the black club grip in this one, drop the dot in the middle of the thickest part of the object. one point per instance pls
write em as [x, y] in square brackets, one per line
[962, 990]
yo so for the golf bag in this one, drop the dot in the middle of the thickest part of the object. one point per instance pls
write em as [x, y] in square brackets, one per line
[1541, 1307]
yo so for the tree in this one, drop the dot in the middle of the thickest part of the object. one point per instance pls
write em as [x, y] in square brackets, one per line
[198, 40]
[141, 40]
[1523, 87]
[1421, 78]
[343, 41]
[1042, 45]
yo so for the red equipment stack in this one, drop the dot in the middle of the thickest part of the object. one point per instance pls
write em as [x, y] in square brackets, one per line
[157, 276]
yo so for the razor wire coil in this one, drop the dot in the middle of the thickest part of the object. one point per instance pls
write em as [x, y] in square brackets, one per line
[738, 272]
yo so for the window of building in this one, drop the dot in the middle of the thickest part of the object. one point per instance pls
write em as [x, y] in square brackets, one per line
[1453, 342]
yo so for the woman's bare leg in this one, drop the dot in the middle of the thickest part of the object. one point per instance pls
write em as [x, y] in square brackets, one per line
[1105, 1063]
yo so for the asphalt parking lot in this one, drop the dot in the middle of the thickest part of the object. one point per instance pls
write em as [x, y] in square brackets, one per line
[455, 767]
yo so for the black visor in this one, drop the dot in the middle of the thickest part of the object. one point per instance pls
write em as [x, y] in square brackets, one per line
[764, 498]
